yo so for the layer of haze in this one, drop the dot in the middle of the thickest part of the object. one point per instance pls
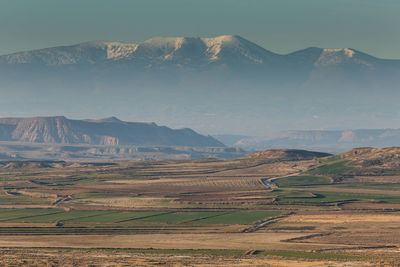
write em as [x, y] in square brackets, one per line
[282, 26]
[279, 25]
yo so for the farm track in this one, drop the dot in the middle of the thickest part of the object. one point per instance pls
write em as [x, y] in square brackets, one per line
[264, 223]
[302, 238]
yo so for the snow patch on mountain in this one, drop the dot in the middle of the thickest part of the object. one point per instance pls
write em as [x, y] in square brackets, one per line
[345, 51]
[116, 50]
[234, 43]
[335, 57]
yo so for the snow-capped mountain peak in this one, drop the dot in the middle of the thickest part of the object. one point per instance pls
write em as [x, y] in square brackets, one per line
[345, 52]
[237, 44]
[335, 57]
[226, 50]
[186, 49]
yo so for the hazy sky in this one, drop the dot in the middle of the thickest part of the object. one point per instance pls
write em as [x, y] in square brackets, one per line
[282, 26]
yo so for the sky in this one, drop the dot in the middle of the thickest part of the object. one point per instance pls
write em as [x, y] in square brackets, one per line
[281, 26]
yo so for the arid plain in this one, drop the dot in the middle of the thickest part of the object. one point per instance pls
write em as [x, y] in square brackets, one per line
[275, 207]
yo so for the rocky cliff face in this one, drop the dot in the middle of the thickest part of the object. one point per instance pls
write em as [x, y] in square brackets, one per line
[110, 131]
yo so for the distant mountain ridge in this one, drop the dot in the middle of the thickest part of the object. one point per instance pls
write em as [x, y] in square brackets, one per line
[324, 140]
[204, 83]
[109, 131]
[159, 49]
[195, 51]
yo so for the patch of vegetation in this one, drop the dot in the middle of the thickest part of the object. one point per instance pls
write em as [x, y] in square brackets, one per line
[63, 230]
[10, 214]
[338, 167]
[59, 181]
[82, 228]
[302, 181]
[90, 216]
[379, 186]
[321, 197]
[329, 159]
[116, 217]
[239, 217]
[61, 216]
[183, 217]
[291, 193]
[21, 199]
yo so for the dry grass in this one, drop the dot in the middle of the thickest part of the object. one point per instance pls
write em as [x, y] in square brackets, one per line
[239, 241]
[31, 257]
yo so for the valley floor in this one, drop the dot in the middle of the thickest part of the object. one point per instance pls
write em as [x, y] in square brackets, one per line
[199, 212]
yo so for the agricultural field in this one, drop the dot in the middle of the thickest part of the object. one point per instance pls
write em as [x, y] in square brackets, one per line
[302, 180]
[275, 207]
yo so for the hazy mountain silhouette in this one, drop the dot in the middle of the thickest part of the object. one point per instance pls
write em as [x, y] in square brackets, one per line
[109, 131]
[320, 140]
[204, 83]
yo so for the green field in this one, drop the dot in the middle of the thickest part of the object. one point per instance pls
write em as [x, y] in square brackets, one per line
[157, 217]
[19, 199]
[322, 197]
[183, 217]
[302, 181]
[379, 186]
[286, 193]
[338, 167]
[16, 214]
[329, 159]
[115, 217]
[60, 216]
[238, 217]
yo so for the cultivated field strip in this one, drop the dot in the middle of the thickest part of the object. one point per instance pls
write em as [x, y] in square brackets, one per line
[121, 217]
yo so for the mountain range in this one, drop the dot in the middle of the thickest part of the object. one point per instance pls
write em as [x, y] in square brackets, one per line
[223, 53]
[225, 84]
[322, 140]
[109, 131]
[195, 52]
